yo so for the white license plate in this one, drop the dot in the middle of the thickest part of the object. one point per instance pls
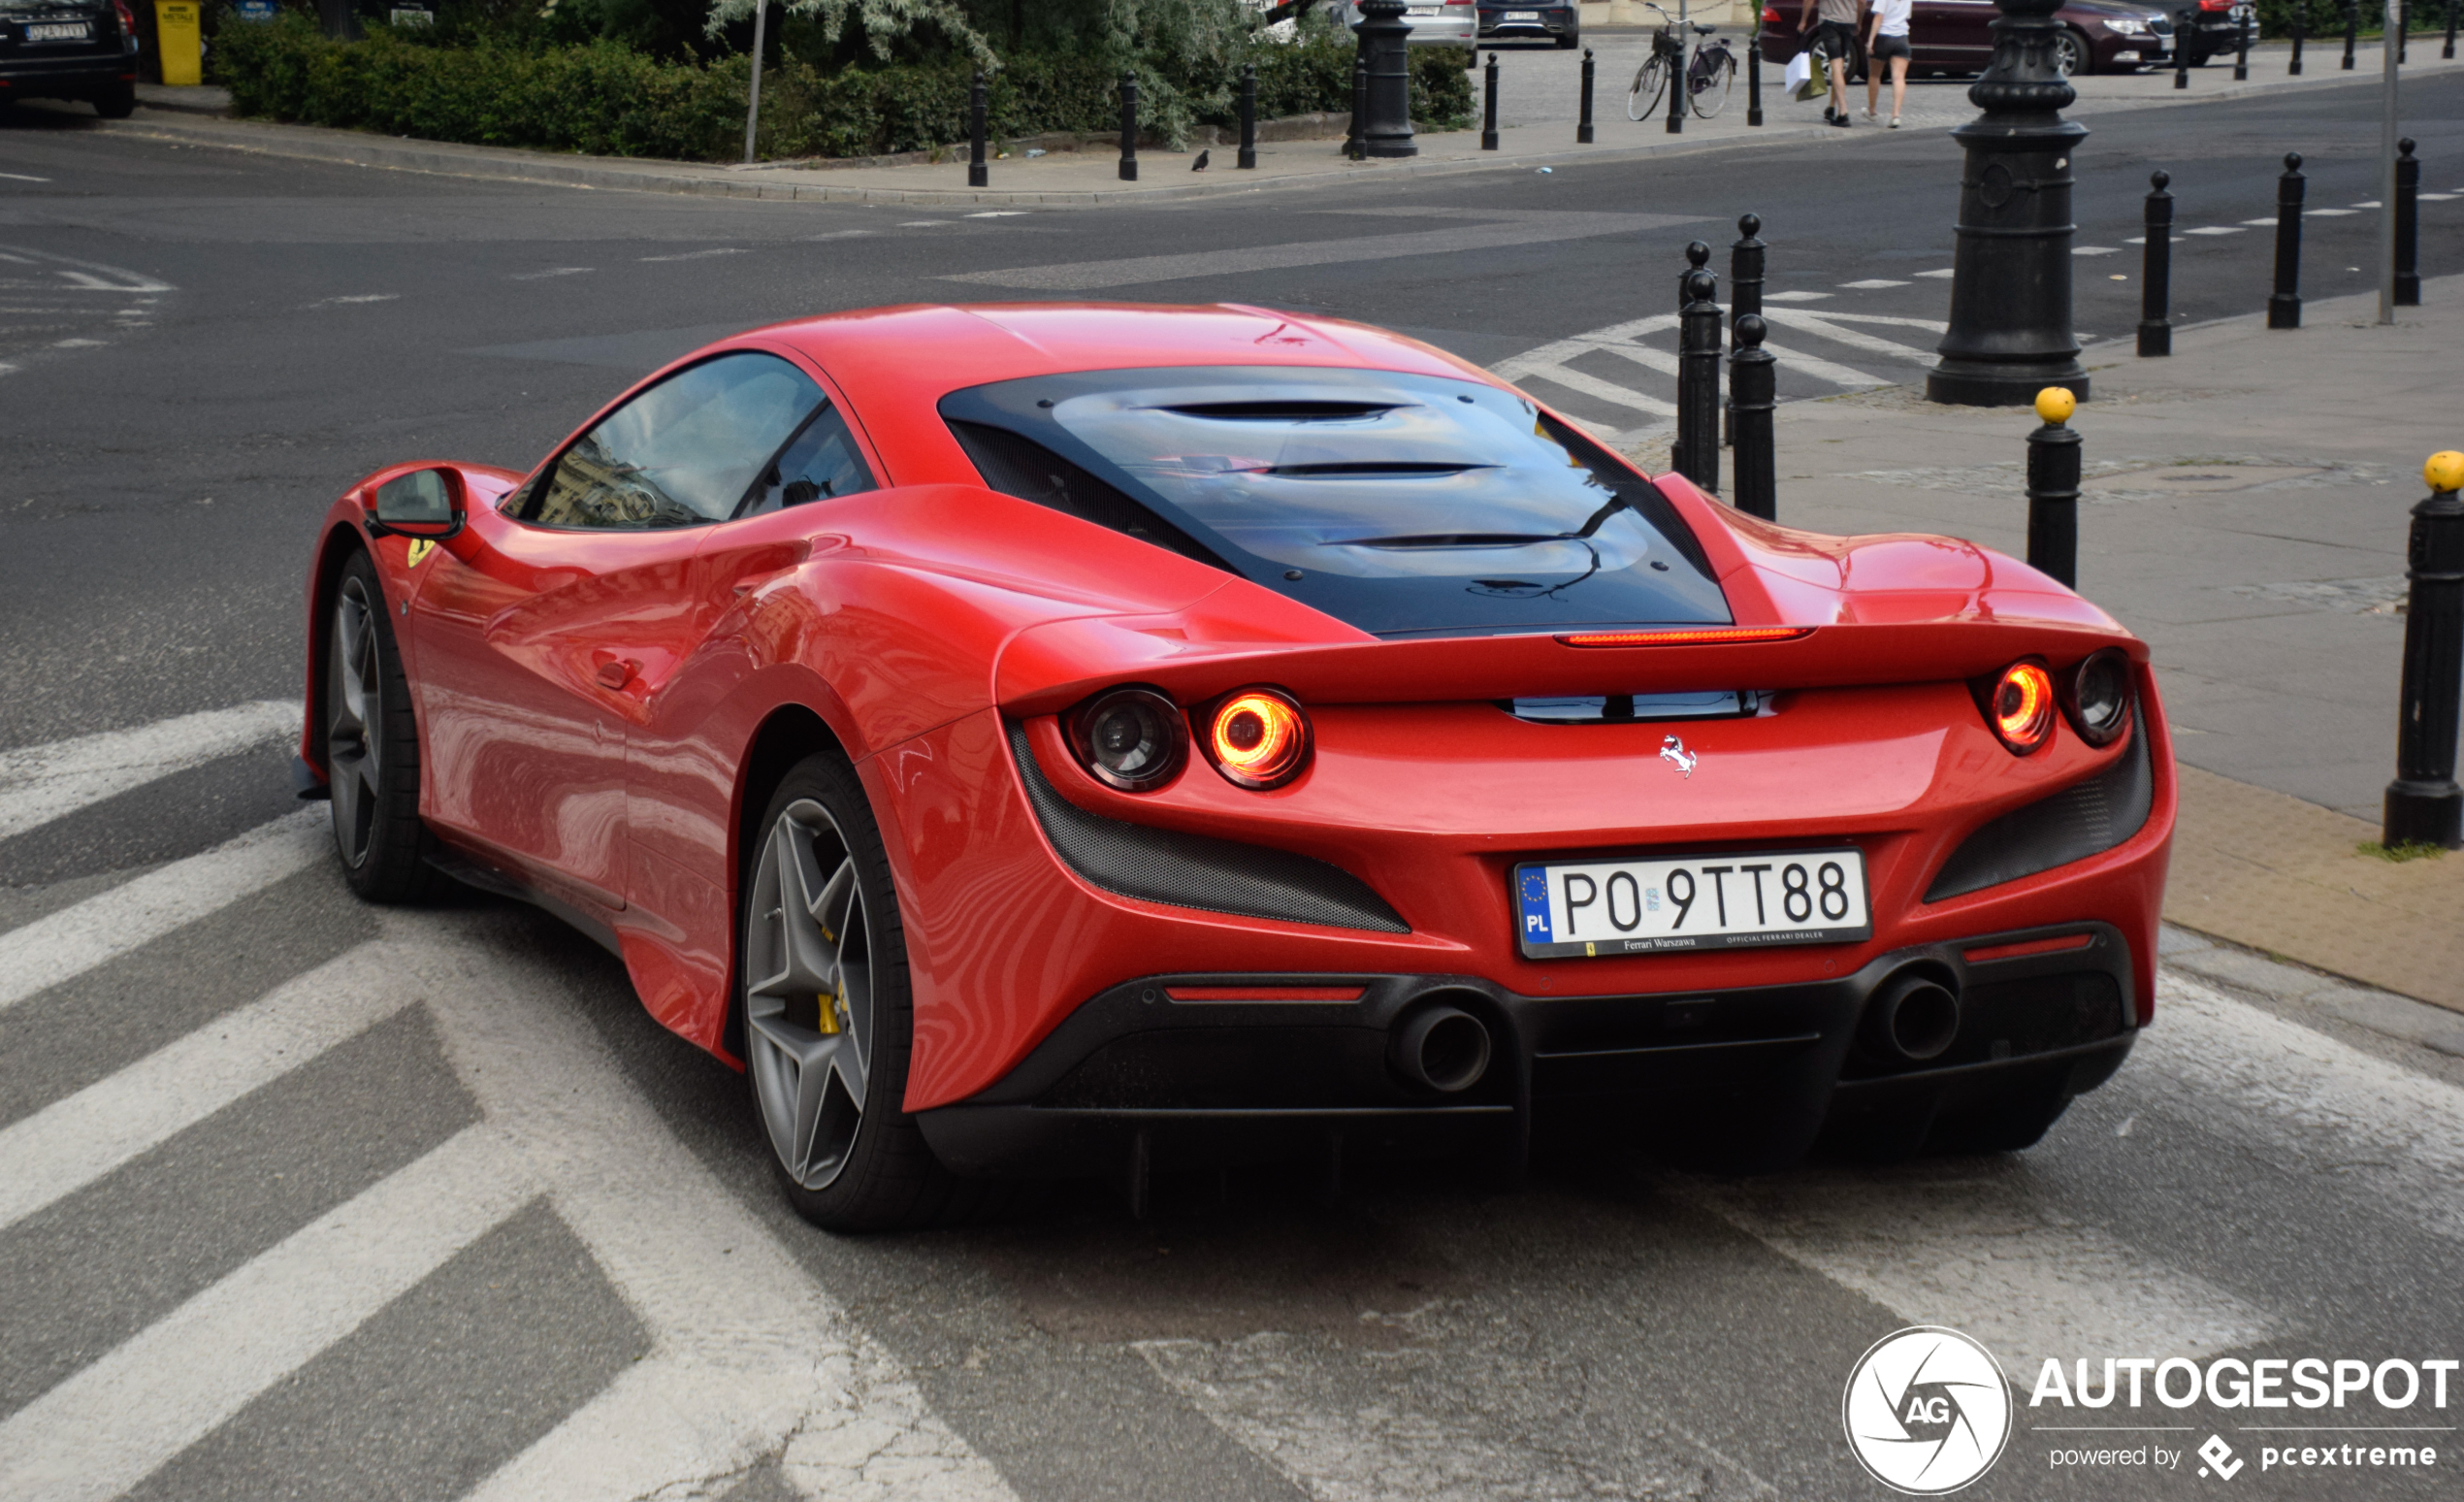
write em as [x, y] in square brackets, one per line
[57, 31]
[1595, 908]
[1515, 15]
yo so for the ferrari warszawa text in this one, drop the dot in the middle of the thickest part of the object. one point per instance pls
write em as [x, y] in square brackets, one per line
[917, 824]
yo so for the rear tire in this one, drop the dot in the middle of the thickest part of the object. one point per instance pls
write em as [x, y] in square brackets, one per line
[1650, 81]
[829, 1014]
[1566, 41]
[371, 746]
[117, 102]
[1713, 93]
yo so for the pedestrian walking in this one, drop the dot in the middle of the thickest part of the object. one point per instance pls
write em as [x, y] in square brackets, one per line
[1886, 37]
[1834, 39]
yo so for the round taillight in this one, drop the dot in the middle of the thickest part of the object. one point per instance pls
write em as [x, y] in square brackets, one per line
[2097, 697]
[2021, 707]
[1132, 739]
[1258, 739]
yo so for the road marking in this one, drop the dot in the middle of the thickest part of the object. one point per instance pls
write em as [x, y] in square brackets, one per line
[39, 784]
[1794, 297]
[997, 214]
[1870, 283]
[553, 271]
[2433, 198]
[360, 297]
[64, 945]
[1835, 315]
[1823, 325]
[105, 280]
[71, 1143]
[1603, 390]
[19, 176]
[1792, 358]
[1509, 229]
[921, 223]
[108, 1427]
[2093, 251]
[2215, 229]
[1945, 273]
[2320, 213]
[2367, 203]
[692, 255]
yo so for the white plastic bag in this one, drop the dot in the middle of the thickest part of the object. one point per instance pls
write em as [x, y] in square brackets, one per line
[1801, 68]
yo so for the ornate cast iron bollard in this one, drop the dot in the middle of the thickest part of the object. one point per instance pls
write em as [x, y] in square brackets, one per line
[1745, 292]
[2242, 52]
[978, 174]
[2407, 225]
[1488, 107]
[1697, 257]
[2301, 27]
[2156, 273]
[2448, 51]
[2283, 306]
[2053, 489]
[1582, 126]
[2423, 802]
[2010, 332]
[1129, 127]
[1754, 71]
[1249, 116]
[1356, 143]
[1677, 94]
[2352, 29]
[1386, 129]
[2186, 25]
[1698, 381]
[1752, 386]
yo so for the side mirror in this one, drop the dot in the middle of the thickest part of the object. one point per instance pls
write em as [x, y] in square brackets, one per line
[425, 503]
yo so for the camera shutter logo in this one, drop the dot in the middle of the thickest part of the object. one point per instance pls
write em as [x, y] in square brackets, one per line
[1927, 1411]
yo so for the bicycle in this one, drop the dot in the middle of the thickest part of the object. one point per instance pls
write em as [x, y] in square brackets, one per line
[1707, 77]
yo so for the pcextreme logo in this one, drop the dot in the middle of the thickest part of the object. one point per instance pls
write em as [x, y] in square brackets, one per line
[1927, 1411]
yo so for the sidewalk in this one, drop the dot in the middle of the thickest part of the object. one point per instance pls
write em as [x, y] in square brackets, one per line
[1539, 94]
[2245, 511]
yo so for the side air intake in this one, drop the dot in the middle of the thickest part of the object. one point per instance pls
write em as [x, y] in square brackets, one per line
[2072, 824]
[1193, 871]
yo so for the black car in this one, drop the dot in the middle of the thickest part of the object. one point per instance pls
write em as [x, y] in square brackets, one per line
[2215, 27]
[1506, 20]
[70, 50]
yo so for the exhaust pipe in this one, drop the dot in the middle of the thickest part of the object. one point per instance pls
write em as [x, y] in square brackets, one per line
[1914, 1015]
[1441, 1048]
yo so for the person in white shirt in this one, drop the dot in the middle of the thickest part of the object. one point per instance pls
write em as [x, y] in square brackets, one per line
[1887, 36]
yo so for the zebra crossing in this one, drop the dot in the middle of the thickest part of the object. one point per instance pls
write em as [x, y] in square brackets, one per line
[749, 1360]
[52, 305]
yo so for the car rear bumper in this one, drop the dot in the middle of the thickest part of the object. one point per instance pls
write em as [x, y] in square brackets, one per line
[65, 77]
[1552, 20]
[1165, 1065]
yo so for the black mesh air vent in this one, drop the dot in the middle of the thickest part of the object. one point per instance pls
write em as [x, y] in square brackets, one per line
[1020, 466]
[2072, 824]
[1192, 870]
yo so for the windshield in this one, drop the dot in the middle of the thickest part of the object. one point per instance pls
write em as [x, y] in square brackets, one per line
[1403, 504]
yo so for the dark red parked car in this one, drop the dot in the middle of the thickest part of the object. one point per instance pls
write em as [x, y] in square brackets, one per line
[1954, 36]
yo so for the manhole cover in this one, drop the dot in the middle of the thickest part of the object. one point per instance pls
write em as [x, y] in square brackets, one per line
[2201, 478]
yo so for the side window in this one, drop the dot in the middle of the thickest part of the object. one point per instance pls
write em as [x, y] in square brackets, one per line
[681, 453]
[819, 463]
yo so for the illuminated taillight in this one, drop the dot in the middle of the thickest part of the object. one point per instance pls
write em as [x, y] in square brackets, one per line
[127, 17]
[1258, 739]
[2020, 706]
[1770, 15]
[1684, 636]
[1132, 738]
[2095, 696]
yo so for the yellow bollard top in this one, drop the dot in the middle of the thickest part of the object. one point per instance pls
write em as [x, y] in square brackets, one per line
[2056, 404]
[2445, 470]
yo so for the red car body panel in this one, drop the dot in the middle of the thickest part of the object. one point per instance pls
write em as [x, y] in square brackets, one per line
[588, 702]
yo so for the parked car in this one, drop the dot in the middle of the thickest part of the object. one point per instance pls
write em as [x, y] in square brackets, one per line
[1432, 22]
[70, 50]
[2215, 26]
[1508, 19]
[1954, 36]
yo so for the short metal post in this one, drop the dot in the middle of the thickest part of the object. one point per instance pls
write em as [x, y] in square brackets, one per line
[1582, 126]
[2186, 25]
[1745, 293]
[978, 174]
[2283, 307]
[2449, 52]
[1699, 381]
[2155, 275]
[2424, 806]
[1129, 127]
[2403, 30]
[1357, 144]
[2241, 51]
[1488, 107]
[1698, 256]
[1752, 386]
[2301, 27]
[2352, 29]
[1678, 95]
[2407, 225]
[1754, 72]
[1249, 116]
[2053, 489]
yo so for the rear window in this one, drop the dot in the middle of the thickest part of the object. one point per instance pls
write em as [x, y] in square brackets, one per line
[1405, 505]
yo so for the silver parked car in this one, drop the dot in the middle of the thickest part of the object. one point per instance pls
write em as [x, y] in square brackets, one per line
[1432, 22]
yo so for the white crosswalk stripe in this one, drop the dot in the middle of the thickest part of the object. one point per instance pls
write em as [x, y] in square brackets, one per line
[39, 784]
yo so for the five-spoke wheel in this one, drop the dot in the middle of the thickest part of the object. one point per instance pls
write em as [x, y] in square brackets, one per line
[808, 1000]
[371, 746]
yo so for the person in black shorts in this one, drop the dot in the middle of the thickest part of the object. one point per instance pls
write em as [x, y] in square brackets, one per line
[1835, 38]
[1887, 39]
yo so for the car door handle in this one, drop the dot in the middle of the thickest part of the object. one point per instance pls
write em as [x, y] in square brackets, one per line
[616, 672]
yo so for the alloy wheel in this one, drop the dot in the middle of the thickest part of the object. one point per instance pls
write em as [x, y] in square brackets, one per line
[354, 724]
[809, 996]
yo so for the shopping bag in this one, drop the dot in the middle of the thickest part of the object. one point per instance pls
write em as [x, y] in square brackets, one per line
[1817, 81]
[1801, 68]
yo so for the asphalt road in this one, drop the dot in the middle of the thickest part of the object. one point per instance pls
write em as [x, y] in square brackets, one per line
[297, 1200]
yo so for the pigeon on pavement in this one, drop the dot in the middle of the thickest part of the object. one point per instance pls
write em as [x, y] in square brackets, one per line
[1200, 165]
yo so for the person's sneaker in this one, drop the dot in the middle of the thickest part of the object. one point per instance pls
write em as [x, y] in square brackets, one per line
[1869, 114]
[1895, 123]
[1830, 116]
[1840, 121]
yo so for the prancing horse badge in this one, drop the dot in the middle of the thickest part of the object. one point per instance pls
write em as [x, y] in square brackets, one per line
[1673, 752]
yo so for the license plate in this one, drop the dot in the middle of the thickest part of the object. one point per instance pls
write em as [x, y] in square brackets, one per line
[1515, 15]
[1591, 909]
[57, 31]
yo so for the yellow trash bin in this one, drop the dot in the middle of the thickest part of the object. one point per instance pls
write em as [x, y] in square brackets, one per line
[182, 45]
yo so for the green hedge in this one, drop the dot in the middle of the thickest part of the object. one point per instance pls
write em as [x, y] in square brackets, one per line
[605, 99]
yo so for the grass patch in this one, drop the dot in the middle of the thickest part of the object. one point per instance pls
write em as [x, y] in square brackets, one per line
[2401, 851]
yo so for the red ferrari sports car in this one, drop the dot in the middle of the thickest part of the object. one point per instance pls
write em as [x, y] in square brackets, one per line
[1062, 738]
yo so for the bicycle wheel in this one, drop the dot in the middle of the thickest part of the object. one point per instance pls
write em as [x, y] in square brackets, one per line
[1651, 79]
[1711, 83]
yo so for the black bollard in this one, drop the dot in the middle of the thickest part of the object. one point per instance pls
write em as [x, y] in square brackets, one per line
[2186, 25]
[2301, 25]
[2156, 276]
[1488, 107]
[2242, 52]
[1678, 95]
[1752, 386]
[2449, 52]
[1754, 72]
[978, 174]
[1129, 127]
[1745, 293]
[1357, 144]
[2403, 30]
[1386, 130]
[2407, 225]
[1582, 126]
[2352, 29]
[2423, 802]
[1698, 381]
[1698, 256]
[2053, 489]
[2283, 307]
[1249, 116]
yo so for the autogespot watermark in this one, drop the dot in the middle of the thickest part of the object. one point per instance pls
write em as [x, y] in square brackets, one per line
[1927, 1411]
